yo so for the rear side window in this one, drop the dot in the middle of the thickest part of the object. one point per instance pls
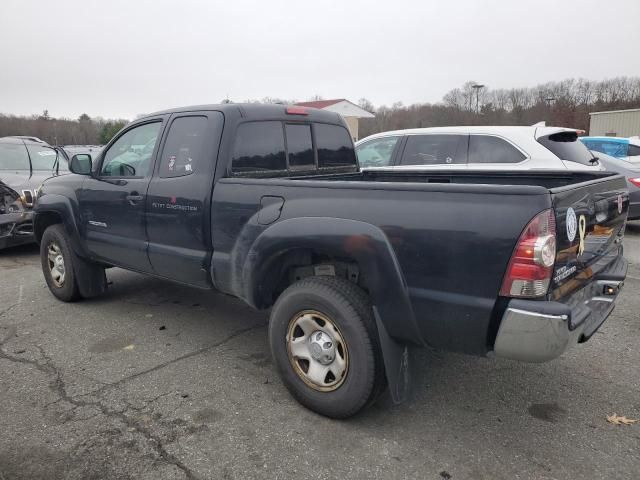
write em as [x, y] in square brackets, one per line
[299, 146]
[259, 147]
[182, 152]
[489, 149]
[566, 146]
[335, 148]
[434, 149]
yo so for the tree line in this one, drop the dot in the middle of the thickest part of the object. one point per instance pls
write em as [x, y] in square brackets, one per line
[566, 103]
[61, 131]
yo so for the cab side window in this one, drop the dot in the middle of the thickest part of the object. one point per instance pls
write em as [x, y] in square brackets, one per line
[131, 154]
[434, 149]
[376, 153]
[489, 149]
[182, 152]
[42, 158]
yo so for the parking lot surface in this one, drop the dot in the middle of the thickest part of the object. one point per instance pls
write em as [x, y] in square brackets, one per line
[160, 381]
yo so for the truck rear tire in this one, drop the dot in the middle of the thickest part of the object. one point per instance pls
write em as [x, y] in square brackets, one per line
[57, 264]
[324, 343]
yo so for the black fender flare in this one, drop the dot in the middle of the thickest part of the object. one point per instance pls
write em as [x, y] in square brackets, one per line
[64, 208]
[370, 248]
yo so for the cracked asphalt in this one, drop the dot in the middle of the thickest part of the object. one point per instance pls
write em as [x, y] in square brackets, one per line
[159, 381]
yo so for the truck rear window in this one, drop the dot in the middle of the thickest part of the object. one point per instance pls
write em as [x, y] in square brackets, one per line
[566, 146]
[335, 148]
[259, 147]
[274, 148]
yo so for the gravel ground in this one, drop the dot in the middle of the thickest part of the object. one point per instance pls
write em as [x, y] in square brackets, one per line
[158, 381]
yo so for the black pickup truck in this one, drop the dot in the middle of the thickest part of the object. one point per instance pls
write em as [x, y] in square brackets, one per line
[267, 203]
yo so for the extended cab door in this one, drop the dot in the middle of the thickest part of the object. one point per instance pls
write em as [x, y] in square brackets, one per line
[112, 201]
[179, 198]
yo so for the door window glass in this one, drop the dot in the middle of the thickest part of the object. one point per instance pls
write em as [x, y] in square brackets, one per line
[334, 145]
[489, 149]
[42, 158]
[182, 152]
[131, 154]
[299, 146]
[259, 147]
[376, 153]
[634, 150]
[434, 149]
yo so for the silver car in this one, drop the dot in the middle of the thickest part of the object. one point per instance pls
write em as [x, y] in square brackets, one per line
[631, 171]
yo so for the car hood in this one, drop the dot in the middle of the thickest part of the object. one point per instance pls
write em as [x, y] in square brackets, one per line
[20, 180]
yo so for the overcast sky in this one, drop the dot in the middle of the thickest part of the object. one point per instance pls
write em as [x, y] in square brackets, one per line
[123, 58]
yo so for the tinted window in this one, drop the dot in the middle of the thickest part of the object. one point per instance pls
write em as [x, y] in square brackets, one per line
[259, 147]
[433, 149]
[488, 149]
[335, 148]
[13, 156]
[131, 154]
[634, 150]
[182, 152]
[376, 153]
[299, 147]
[566, 146]
[42, 158]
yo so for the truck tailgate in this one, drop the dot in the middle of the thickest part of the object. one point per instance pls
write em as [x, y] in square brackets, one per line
[590, 222]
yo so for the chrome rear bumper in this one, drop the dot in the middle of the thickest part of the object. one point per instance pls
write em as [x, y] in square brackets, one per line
[539, 331]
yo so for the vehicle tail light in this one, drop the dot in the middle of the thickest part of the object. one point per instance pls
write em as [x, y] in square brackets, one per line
[635, 181]
[297, 111]
[531, 265]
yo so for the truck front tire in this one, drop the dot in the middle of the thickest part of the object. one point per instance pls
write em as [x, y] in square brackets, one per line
[324, 342]
[57, 264]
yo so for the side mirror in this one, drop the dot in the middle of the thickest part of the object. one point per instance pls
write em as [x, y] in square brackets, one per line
[80, 164]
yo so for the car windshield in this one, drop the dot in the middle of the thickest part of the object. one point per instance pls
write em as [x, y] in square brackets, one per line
[13, 156]
[565, 146]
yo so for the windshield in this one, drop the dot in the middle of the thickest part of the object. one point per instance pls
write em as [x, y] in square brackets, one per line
[13, 156]
[613, 148]
[565, 146]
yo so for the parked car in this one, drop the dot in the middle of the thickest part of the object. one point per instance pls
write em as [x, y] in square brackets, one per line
[631, 172]
[619, 147]
[482, 148]
[267, 203]
[25, 162]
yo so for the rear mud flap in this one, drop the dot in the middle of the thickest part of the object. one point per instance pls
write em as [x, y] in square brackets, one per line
[396, 362]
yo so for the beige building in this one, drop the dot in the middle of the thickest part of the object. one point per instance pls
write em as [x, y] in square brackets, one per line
[615, 123]
[351, 112]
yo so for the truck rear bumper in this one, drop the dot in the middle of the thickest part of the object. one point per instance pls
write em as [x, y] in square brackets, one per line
[539, 331]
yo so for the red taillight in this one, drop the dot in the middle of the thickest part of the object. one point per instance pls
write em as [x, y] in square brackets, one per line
[531, 265]
[635, 181]
[297, 111]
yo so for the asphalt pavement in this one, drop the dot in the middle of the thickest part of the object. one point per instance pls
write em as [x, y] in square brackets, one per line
[160, 381]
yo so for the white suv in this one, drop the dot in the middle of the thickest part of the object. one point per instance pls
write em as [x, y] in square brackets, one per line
[481, 148]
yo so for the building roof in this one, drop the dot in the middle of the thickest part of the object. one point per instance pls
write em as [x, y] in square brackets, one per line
[322, 103]
[341, 106]
[617, 111]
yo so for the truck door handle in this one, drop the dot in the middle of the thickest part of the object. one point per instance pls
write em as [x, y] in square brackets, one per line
[134, 198]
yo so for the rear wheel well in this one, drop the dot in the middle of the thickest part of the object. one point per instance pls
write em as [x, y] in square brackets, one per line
[43, 221]
[295, 265]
